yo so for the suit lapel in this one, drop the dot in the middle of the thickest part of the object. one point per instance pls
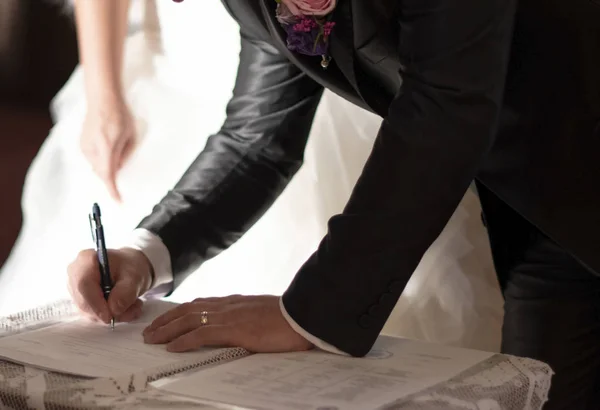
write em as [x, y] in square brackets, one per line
[375, 24]
[355, 28]
[341, 42]
[375, 38]
[339, 77]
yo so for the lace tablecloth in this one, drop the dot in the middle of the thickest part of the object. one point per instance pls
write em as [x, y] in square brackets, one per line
[500, 383]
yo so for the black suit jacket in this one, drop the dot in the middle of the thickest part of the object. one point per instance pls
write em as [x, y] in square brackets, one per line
[436, 71]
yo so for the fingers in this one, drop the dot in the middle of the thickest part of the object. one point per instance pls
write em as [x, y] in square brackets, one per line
[130, 275]
[126, 153]
[213, 335]
[84, 286]
[108, 165]
[123, 295]
[134, 312]
[198, 305]
[181, 326]
[111, 185]
[169, 316]
[109, 175]
[221, 300]
[107, 140]
[255, 323]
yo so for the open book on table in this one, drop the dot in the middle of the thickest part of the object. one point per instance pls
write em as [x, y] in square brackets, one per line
[394, 368]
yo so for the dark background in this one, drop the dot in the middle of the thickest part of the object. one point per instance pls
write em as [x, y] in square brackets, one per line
[38, 52]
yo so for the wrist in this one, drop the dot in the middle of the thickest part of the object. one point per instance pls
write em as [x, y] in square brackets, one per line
[113, 111]
[100, 99]
[148, 272]
[158, 255]
[143, 268]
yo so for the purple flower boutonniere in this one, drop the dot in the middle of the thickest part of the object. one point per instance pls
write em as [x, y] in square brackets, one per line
[307, 25]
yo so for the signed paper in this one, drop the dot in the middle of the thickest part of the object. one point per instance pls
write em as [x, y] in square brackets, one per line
[315, 380]
[85, 348]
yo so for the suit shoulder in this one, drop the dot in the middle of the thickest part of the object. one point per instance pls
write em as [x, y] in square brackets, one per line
[248, 14]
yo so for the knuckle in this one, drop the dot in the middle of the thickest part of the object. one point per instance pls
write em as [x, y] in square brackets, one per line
[82, 306]
[190, 318]
[188, 308]
[71, 269]
[72, 289]
[114, 256]
[84, 256]
[81, 287]
[82, 263]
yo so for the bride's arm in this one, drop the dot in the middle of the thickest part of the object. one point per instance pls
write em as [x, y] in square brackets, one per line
[108, 134]
[101, 31]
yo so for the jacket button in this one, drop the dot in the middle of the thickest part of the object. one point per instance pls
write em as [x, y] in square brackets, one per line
[386, 299]
[365, 321]
[373, 310]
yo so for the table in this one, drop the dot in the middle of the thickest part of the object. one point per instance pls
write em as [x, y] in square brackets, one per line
[502, 382]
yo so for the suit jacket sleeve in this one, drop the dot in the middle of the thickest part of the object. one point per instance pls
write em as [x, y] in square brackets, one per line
[246, 165]
[428, 150]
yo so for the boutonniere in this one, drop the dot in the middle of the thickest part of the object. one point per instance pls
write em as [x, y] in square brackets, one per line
[308, 25]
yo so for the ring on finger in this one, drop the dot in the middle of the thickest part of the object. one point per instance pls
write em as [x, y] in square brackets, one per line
[204, 318]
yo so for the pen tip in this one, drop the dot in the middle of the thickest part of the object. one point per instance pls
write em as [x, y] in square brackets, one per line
[112, 324]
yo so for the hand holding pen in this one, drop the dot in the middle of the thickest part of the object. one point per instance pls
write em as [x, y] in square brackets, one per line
[107, 293]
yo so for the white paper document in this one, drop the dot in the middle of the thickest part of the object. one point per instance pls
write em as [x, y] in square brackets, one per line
[315, 380]
[85, 348]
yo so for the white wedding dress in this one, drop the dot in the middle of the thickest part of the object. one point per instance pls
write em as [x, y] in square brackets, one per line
[181, 61]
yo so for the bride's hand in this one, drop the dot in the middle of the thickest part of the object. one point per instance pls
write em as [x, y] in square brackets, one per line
[107, 141]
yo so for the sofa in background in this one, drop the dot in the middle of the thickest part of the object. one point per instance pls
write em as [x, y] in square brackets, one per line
[38, 51]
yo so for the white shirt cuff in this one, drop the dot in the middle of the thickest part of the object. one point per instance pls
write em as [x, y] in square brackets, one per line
[314, 340]
[157, 253]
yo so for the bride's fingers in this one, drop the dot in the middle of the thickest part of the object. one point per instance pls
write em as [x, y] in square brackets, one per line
[108, 176]
[108, 158]
[126, 152]
[110, 179]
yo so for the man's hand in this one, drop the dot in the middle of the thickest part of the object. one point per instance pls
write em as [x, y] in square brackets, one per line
[252, 322]
[131, 273]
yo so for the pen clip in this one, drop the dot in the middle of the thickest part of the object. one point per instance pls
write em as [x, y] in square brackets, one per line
[92, 229]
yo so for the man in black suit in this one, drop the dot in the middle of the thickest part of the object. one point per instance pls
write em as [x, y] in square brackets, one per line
[468, 89]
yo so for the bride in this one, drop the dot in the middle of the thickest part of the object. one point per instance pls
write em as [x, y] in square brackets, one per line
[179, 63]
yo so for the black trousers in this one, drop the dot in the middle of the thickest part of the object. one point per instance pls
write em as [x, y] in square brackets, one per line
[552, 305]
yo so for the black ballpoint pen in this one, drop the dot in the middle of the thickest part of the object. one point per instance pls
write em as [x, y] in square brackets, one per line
[99, 241]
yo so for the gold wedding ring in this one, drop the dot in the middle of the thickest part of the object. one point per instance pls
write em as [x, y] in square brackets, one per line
[204, 318]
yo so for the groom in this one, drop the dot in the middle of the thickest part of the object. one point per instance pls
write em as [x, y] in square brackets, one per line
[467, 91]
